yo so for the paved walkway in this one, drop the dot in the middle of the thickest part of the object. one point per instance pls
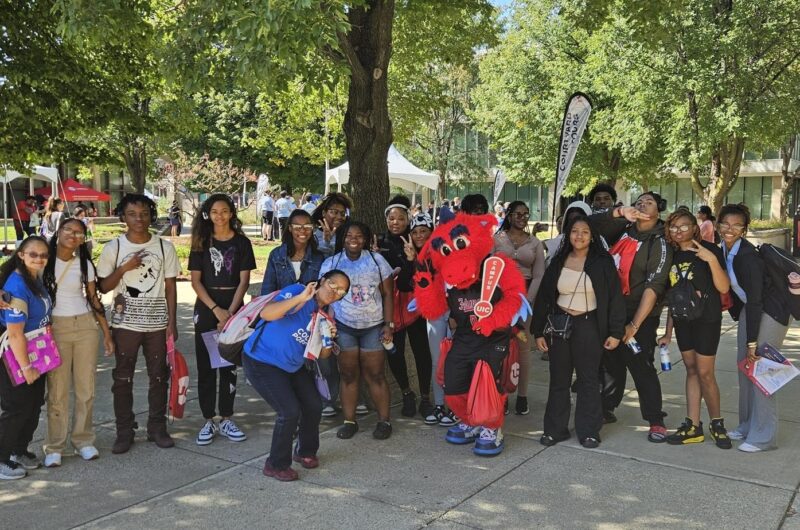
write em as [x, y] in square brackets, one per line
[415, 479]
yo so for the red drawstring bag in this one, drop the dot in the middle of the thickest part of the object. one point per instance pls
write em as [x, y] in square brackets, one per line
[178, 379]
[485, 405]
[402, 316]
[444, 349]
[509, 377]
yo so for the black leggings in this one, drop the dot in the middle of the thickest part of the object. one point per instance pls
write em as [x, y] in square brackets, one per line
[204, 320]
[418, 337]
[21, 406]
[581, 353]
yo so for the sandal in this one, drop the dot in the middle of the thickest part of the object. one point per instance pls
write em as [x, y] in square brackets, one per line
[347, 431]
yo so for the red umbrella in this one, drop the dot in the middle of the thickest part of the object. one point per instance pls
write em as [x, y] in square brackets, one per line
[73, 191]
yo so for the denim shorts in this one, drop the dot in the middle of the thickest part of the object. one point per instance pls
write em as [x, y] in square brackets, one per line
[367, 339]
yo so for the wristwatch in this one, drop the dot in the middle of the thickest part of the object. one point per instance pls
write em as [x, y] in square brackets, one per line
[390, 324]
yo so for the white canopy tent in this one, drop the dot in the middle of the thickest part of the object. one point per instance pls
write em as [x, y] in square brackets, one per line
[39, 173]
[402, 174]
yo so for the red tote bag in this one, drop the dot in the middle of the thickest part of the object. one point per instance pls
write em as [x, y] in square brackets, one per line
[178, 379]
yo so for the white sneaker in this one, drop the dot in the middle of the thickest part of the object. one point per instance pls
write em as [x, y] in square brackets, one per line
[231, 430]
[89, 452]
[52, 460]
[328, 412]
[361, 409]
[735, 435]
[207, 433]
[12, 471]
[749, 448]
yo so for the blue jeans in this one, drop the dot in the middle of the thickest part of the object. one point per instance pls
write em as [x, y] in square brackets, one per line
[295, 399]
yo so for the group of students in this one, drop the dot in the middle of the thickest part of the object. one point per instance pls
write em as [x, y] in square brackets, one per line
[597, 298]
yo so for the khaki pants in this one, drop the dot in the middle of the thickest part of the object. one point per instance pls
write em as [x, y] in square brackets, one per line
[78, 341]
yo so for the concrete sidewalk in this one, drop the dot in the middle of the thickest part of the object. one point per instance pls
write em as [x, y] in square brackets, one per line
[415, 479]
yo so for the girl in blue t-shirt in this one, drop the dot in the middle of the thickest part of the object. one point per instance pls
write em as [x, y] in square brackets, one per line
[274, 364]
[20, 277]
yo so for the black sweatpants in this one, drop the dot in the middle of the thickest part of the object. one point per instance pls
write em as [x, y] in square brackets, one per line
[616, 363]
[418, 337]
[21, 407]
[582, 353]
[204, 320]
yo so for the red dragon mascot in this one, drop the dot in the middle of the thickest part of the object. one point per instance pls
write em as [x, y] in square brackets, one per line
[449, 275]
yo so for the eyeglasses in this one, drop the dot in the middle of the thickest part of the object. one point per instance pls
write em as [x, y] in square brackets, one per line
[726, 226]
[306, 227]
[73, 233]
[337, 212]
[36, 255]
[680, 228]
[339, 291]
[521, 215]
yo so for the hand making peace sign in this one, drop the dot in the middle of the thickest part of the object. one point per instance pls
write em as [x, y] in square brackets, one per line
[408, 248]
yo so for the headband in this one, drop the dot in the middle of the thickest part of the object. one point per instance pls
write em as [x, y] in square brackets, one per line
[403, 206]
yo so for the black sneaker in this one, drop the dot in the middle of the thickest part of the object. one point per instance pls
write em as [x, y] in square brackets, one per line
[687, 433]
[348, 430]
[719, 433]
[609, 417]
[522, 406]
[409, 409]
[26, 460]
[383, 430]
[426, 410]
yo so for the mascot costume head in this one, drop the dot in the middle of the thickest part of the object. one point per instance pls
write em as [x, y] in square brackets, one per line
[453, 257]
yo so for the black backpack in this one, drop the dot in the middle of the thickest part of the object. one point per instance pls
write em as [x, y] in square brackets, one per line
[682, 299]
[778, 264]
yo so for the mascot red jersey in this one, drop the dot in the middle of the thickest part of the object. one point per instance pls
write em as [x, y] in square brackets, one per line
[450, 276]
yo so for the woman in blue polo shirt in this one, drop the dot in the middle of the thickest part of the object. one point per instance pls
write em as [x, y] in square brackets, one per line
[275, 366]
[20, 276]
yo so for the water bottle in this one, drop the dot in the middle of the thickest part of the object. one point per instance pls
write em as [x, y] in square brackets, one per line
[389, 347]
[634, 346]
[666, 364]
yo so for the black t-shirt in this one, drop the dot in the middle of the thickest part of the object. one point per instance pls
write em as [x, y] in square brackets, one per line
[700, 277]
[462, 310]
[223, 261]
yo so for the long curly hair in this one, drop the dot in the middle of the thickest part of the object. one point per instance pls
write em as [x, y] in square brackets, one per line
[596, 247]
[329, 200]
[203, 226]
[506, 224]
[84, 261]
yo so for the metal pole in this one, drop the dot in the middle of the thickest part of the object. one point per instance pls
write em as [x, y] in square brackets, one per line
[5, 211]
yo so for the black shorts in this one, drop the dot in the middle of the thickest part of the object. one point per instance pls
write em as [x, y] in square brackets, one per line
[702, 337]
[468, 348]
[266, 217]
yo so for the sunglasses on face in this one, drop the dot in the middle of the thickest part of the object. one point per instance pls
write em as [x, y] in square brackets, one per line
[521, 215]
[307, 227]
[37, 255]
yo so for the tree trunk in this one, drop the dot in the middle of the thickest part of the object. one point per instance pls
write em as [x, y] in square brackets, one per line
[726, 161]
[787, 150]
[367, 127]
[136, 162]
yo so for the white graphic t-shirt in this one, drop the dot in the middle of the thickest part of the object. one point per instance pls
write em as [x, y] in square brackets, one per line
[362, 306]
[140, 302]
